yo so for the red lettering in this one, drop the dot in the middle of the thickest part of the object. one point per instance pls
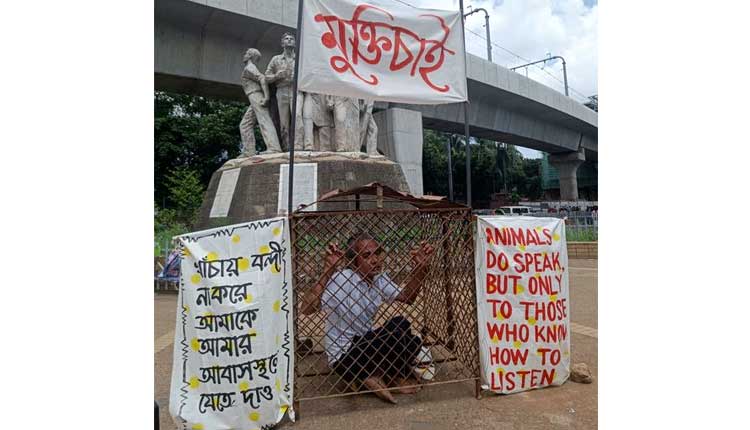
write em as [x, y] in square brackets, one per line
[496, 385]
[494, 355]
[548, 235]
[491, 259]
[517, 236]
[550, 334]
[503, 307]
[523, 374]
[530, 238]
[547, 377]
[550, 311]
[508, 332]
[491, 283]
[512, 355]
[509, 381]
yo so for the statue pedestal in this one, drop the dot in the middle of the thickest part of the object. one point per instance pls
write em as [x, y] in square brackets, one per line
[247, 189]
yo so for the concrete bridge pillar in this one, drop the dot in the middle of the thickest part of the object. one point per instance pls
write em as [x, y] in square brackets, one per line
[567, 167]
[400, 139]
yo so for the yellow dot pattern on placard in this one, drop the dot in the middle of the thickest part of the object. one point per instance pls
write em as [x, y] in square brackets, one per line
[519, 289]
[274, 269]
[186, 252]
[235, 238]
[538, 228]
[186, 307]
[500, 317]
[264, 249]
[207, 314]
[556, 236]
[552, 297]
[277, 305]
[517, 344]
[243, 264]
[244, 386]
[195, 344]
[197, 427]
[278, 340]
[495, 339]
[196, 278]
[249, 298]
[500, 370]
[277, 231]
[278, 384]
[252, 332]
[194, 382]
[283, 409]
[531, 320]
[522, 247]
[254, 416]
[212, 256]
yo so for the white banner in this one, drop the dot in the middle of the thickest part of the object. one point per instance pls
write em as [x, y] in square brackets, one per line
[233, 364]
[381, 50]
[523, 304]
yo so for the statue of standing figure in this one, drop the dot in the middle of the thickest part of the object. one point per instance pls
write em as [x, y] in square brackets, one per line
[256, 89]
[280, 72]
[368, 129]
[322, 123]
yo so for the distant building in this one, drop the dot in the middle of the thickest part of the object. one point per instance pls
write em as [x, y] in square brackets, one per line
[588, 179]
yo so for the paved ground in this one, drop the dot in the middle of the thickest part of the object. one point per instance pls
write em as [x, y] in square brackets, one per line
[453, 406]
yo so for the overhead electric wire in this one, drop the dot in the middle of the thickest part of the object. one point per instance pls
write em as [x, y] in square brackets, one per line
[586, 98]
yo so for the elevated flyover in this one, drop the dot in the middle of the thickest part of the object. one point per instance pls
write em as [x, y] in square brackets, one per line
[198, 49]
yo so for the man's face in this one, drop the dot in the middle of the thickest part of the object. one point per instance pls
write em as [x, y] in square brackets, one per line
[368, 261]
[287, 41]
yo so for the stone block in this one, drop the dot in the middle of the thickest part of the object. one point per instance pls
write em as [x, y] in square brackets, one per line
[256, 193]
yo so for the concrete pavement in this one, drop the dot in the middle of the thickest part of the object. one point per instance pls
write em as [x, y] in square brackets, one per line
[450, 406]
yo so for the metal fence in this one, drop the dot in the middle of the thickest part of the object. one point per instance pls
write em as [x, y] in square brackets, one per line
[434, 337]
[580, 226]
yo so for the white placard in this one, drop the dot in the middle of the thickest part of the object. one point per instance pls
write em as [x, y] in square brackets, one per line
[523, 305]
[382, 50]
[305, 186]
[233, 362]
[224, 193]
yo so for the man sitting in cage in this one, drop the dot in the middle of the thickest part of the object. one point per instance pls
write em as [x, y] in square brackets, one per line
[378, 358]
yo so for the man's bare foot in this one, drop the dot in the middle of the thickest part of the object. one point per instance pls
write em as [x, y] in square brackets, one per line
[375, 383]
[406, 386]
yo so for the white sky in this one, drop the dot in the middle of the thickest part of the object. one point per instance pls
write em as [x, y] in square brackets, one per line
[533, 29]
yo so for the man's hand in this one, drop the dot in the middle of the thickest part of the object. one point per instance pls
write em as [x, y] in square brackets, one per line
[422, 254]
[333, 256]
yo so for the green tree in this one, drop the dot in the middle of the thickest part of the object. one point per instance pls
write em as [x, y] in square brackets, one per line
[195, 132]
[489, 160]
[185, 193]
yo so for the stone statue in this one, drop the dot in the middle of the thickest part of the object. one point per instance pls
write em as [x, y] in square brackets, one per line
[323, 122]
[317, 117]
[280, 72]
[346, 123]
[255, 87]
[368, 129]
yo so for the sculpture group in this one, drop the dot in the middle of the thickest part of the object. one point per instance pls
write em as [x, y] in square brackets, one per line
[323, 122]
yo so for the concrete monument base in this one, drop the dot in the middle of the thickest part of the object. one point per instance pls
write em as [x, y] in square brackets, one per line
[247, 189]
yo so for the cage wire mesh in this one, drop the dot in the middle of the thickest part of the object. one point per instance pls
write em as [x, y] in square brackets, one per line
[442, 316]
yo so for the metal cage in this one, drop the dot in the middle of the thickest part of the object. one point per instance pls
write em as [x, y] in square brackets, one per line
[442, 315]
